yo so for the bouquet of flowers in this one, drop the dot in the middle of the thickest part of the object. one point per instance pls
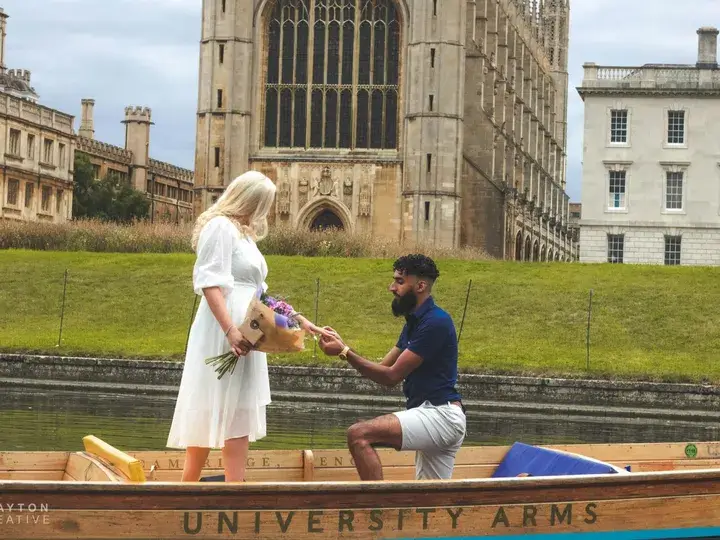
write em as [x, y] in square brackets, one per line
[270, 326]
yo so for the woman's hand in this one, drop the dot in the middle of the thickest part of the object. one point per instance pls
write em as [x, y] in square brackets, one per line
[215, 299]
[239, 345]
[312, 328]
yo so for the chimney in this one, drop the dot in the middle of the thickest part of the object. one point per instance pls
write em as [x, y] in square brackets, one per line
[87, 125]
[707, 47]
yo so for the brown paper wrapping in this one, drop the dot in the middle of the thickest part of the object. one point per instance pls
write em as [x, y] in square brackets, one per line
[259, 329]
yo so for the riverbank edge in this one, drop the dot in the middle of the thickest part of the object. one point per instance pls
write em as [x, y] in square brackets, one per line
[691, 402]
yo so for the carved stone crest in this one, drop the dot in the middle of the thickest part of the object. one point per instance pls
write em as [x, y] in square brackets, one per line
[365, 200]
[348, 192]
[325, 185]
[303, 189]
[284, 198]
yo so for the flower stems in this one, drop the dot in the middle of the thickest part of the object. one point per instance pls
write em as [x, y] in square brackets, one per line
[224, 363]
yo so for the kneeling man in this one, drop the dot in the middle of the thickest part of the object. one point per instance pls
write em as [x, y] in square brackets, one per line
[425, 358]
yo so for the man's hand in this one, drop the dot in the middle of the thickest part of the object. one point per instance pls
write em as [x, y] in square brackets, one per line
[331, 343]
[394, 368]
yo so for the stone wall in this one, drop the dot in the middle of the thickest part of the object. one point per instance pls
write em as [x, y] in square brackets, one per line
[633, 399]
[514, 128]
[364, 195]
[483, 211]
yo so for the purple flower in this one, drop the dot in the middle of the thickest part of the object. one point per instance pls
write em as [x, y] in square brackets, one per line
[282, 309]
[281, 321]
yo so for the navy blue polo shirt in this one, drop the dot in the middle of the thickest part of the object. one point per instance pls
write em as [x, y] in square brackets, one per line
[429, 332]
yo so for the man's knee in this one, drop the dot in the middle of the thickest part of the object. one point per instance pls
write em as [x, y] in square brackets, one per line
[357, 434]
[378, 432]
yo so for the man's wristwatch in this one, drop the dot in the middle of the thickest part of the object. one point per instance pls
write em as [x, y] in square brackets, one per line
[343, 354]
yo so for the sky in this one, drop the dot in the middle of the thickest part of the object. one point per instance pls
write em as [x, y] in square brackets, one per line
[145, 52]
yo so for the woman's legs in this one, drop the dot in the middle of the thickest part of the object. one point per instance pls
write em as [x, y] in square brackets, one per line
[195, 458]
[234, 455]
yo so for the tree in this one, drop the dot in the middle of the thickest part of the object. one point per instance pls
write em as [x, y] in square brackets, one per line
[109, 199]
[84, 178]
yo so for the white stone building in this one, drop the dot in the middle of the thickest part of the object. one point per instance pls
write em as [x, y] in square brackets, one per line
[651, 161]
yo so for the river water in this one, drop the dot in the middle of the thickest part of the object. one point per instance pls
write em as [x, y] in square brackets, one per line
[57, 420]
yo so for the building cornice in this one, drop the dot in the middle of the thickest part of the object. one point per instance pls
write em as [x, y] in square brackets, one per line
[223, 39]
[632, 225]
[35, 176]
[611, 162]
[431, 193]
[648, 92]
[670, 163]
[649, 80]
[41, 128]
[299, 158]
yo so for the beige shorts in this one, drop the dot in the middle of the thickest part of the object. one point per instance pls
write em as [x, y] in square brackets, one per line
[436, 433]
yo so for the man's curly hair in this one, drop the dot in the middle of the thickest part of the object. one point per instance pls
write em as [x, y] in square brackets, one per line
[417, 265]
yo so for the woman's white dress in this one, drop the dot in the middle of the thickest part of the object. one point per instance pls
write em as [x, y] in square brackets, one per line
[210, 411]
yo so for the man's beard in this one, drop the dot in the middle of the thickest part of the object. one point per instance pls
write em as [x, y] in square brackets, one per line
[405, 304]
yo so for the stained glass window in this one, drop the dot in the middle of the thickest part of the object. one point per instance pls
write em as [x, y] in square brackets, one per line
[332, 74]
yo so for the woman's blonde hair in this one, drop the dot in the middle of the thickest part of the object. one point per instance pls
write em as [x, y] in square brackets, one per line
[246, 202]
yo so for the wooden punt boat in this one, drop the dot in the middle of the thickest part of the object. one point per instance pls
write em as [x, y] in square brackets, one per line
[671, 491]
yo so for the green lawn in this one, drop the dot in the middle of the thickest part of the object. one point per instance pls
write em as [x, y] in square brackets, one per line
[648, 322]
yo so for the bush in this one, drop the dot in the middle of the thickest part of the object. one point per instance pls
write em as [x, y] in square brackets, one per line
[146, 237]
[95, 235]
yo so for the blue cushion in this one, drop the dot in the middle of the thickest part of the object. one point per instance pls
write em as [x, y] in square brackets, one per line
[535, 461]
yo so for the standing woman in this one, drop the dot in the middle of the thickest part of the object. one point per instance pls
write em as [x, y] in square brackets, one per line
[229, 412]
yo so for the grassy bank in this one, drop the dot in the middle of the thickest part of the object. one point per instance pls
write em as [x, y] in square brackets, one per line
[145, 237]
[656, 323]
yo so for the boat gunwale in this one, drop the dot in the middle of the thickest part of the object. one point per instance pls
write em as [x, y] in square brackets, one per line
[465, 484]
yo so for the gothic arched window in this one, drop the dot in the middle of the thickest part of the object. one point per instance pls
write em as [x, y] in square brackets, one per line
[332, 74]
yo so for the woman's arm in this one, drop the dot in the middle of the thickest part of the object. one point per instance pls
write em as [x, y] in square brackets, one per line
[212, 277]
[216, 301]
[311, 328]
